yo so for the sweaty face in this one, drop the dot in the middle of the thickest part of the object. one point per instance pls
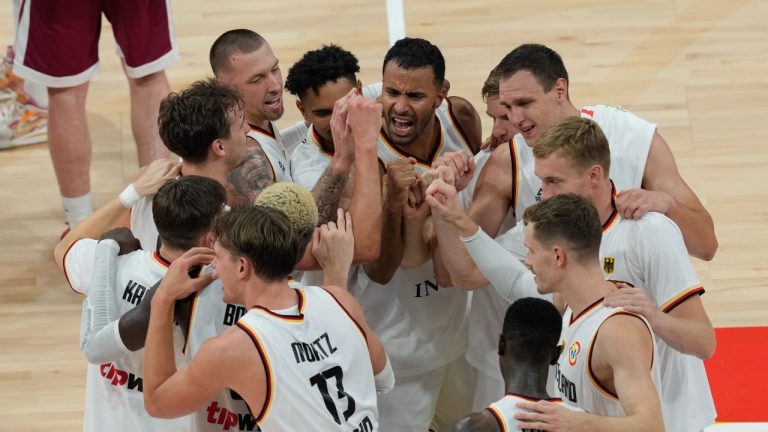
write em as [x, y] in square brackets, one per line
[539, 260]
[318, 107]
[503, 129]
[559, 175]
[530, 109]
[235, 144]
[257, 76]
[409, 97]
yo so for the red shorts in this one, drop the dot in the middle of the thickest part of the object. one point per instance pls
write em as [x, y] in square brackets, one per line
[57, 41]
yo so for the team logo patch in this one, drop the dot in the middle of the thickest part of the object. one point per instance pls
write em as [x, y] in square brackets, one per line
[608, 263]
[573, 353]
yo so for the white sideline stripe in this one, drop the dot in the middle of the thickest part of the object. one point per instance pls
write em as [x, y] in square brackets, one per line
[738, 427]
[395, 21]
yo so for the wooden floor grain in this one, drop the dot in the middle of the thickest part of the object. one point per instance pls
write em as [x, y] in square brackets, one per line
[697, 68]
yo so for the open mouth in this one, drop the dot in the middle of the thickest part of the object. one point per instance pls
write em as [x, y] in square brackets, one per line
[527, 132]
[401, 125]
[274, 104]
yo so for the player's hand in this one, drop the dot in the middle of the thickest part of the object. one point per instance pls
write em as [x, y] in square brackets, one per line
[548, 416]
[333, 244]
[154, 176]
[180, 280]
[416, 208]
[633, 300]
[401, 175]
[124, 238]
[463, 167]
[634, 203]
[444, 201]
[364, 118]
[340, 130]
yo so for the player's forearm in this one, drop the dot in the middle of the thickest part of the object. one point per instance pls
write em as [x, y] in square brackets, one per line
[366, 207]
[463, 271]
[631, 423]
[101, 220]
[687, 336]
[328, 190]
[384, 267]
[159, 363]
[698, 229]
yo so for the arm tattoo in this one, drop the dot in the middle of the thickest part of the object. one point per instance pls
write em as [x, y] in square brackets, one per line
[327, 193]
[252, 175]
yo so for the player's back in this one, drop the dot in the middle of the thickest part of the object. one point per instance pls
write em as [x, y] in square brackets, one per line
[319, 373]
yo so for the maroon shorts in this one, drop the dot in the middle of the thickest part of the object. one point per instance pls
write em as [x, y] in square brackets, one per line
[57, 42]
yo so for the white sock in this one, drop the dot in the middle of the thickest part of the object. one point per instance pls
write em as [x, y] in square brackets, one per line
[77, 209]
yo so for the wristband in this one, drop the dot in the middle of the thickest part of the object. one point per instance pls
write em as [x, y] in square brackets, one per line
[129, 196]
[471, 236]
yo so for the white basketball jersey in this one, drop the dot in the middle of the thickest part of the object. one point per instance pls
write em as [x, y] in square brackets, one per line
[309, 160]
[143, 223]
[113, 391]
[575, 380]
[504, 411]
[421, 324]
[319, 373]
[650, 254]
[629, 138]
[209, 318]
[273, 148]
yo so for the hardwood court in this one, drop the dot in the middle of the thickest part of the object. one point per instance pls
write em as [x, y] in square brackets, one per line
[695, 67]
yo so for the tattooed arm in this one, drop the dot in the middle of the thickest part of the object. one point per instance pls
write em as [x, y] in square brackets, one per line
[254, 173]
[328, 190]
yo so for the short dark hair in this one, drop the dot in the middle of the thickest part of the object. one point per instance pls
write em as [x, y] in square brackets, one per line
[414, 53]
[233, 41]
[532, 329]
[569, 218]
[191, 120]
[263, 235]
[317, 67]
[184, 209]
[543, 62]
[491, 85]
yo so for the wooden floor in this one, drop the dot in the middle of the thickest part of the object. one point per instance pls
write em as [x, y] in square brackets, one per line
[698, 68]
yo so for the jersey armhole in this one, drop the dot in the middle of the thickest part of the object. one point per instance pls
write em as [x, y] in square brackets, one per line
[359, 328]
[595, 381]
[498, 417]
[267, 372]
[515, 175]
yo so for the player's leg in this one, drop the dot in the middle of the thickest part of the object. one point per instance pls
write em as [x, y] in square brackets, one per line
[144, 35]
[56, 45]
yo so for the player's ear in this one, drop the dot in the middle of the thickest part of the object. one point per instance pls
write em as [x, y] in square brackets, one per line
[561, 89]
[502, 345]
[302, 109]
[560, 256]
[243, 268]
[217, 147]
[596, 175]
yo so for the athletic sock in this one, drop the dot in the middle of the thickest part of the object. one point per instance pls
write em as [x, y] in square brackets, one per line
[77, 209]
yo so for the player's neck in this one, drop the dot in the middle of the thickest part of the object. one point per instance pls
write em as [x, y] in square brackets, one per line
[258, 122]
[169, 254]
[270, 295]
[525, 379]
[583, 286]
[569, 110]
[603, 200]
[211, 169]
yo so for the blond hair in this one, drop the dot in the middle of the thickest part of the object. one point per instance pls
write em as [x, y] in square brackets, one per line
[579, 140]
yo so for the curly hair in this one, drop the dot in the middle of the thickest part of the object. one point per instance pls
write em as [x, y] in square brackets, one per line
[317, 67]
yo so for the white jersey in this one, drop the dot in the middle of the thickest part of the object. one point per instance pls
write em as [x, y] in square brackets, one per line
[576, 382]
[629, 138]
[113, 391]
[504, 410]
[319, 373]
[210, 317]
[309, 160]
[650, 254]
[421, 324]
[143, 223]
[272, 145]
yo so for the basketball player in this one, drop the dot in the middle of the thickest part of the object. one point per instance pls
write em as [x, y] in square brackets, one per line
[528, 344]
[326, 353]
[534, 89]
[244, 60]
[609, 365]
[574, 157]
[422, 325]
[184, 211]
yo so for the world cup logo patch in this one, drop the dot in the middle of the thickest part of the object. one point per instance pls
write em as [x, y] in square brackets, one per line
[573, 353]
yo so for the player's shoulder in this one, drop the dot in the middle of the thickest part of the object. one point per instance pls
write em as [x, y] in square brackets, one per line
[482, 421]
[652, 222]
[463, 110]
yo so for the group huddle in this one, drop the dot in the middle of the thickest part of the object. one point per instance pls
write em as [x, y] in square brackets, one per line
[381, 267]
